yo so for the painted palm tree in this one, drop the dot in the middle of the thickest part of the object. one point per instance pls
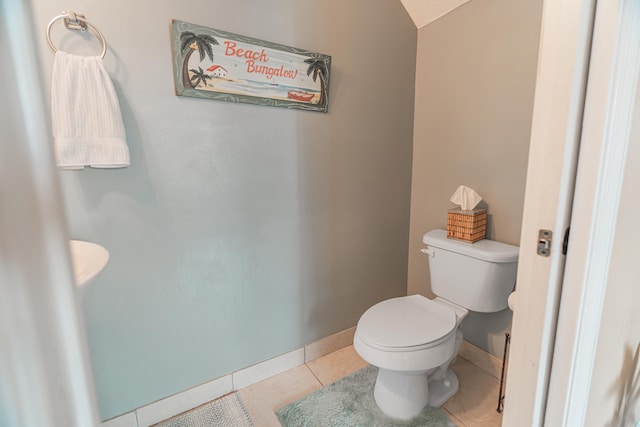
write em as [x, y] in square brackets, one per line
[199, 77]
[317, 66]
[191, 42]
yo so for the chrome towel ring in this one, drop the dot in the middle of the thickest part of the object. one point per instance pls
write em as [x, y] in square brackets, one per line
[75, 21]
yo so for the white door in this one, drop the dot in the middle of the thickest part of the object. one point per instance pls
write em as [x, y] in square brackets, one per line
[45, 378]
[555, 135]
[551, 358]
[604, 154]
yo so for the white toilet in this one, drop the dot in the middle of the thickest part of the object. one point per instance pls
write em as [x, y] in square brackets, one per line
[412, 339]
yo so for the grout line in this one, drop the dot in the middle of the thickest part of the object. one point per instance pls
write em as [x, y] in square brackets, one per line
[481, 368]
[481, 358]
[459, 356]
[314, 374]
[453, 418]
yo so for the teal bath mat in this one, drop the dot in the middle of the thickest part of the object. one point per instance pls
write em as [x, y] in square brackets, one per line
[349, 403]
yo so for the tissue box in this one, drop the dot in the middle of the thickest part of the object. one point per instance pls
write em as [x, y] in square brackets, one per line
[469, 226]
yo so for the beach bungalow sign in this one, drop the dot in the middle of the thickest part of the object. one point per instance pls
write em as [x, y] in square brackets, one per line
[214, 64]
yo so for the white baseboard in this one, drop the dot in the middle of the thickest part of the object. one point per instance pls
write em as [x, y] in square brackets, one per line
[181, 402]
[127, 420]
[267, 369]
[328, 344]
[482, 359]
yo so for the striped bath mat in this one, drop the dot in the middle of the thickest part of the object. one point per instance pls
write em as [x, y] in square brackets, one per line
[228, 411]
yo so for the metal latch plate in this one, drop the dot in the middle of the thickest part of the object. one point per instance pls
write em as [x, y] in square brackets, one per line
[544, 242]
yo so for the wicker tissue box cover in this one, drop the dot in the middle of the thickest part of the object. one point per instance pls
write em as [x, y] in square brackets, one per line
[469, 226]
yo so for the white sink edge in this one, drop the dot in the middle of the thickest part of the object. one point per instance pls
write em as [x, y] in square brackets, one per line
[88, 260]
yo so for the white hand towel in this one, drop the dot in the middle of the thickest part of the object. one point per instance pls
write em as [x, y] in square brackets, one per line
[85, 114]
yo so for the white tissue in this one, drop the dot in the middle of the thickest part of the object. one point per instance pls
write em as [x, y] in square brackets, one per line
[466, 197]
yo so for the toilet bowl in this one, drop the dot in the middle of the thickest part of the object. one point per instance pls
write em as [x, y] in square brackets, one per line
[413, 361]
[413, 340]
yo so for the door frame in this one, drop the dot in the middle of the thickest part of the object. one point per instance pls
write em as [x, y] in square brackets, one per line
[610, 103]
[556, 324]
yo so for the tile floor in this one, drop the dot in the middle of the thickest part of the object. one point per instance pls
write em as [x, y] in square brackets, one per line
[473, 406]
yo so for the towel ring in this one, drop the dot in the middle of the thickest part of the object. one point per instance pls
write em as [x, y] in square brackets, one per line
[75, 21]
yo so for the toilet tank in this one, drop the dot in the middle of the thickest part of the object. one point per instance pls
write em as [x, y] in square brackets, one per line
[478, 276]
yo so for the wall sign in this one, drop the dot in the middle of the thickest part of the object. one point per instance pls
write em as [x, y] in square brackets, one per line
[209, 63]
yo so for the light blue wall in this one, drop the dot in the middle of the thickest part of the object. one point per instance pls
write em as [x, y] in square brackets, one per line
[240, 232]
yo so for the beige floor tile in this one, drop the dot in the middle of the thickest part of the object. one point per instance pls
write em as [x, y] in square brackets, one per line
[336, 365]
[486, 361]
[475, 402]
[453, 418]
[264, 398]
[473, 406]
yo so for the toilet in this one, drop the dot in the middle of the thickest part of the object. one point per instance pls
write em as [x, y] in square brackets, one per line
[413, 339]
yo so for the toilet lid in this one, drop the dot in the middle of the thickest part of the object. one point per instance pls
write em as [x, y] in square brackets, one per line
[406, 322]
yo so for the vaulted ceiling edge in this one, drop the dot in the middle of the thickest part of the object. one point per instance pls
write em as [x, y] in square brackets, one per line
[424, 12]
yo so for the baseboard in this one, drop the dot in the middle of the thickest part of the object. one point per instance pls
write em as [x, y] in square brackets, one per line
[183, 401]
[127, 420]
[267, 369]
[199, 395]
[329, 344]
[482, 359]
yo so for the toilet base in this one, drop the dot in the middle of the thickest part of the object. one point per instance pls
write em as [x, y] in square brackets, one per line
[442, 390]
[403, 395]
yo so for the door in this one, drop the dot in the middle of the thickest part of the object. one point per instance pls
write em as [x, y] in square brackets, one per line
[45, 378]
[558, 311]
[594, 317]
[555, 136]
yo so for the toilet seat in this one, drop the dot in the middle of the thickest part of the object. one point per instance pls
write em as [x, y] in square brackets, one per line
[410, 323]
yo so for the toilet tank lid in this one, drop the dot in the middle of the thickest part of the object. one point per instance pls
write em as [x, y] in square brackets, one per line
[486, 250]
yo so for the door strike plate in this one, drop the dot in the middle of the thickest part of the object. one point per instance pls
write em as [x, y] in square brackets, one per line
[544, 242]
